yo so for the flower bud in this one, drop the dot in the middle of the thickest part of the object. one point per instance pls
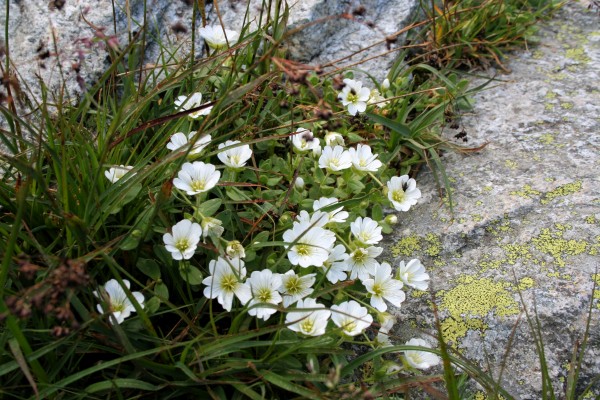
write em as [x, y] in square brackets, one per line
[333, 139]
[235, 249]
[391, 219]
[385, 85]
[299, 183]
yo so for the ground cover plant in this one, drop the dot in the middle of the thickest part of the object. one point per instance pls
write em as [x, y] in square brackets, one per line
[210, 228]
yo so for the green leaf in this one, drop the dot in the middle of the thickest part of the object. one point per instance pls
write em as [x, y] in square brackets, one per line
[285, 384]
[191, 275]
[121, 383]
[356, 186]
[149, 267]
[152, 305]
[377, 212]
[162, 290]
[209, 207]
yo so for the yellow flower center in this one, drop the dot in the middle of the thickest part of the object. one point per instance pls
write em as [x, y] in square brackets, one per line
[398, 195]
[264, 295]
[229, 282]
[377, 290]
[235, 159]
[352, 97]
[182, 244]
[303, 250]
[198, 185]
[360, 256]
[350, 326]
[293, 285]
[307, 325]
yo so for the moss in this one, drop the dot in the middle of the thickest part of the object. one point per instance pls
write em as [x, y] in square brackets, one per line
[563, 190]
[527, 192]
[407, 246]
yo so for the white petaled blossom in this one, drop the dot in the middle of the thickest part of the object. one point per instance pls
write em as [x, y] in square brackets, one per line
[310, 322]
[116, 300]
[295, 287]
[184, 103]
[216, 37]
[403, 192]
[235, 249]
[351, 317]
[366, 230]
[179, 141]
[362, 262]
[263, 285]
[196, 177]
[318, 218]
[312, 244]
[336, 264]
[363, 159]
[235, 157]
[413, 274]
[376, 98]
[226, 281]
[116, 173]
[354, 96]
[334, 138]
[420, 359]
[211, 227]
[337, 215]
[335, 159]
[383, 286]
[183, 240]
[304, 140]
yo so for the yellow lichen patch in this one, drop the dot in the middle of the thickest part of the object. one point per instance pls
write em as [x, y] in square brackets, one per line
[470, 300]
[516, 251]
[477, 217]
[550, 95]
[489, 263]
[591, 219]
[527, 192]
[578, 54]
[563, 190]
[549, 106]
[553, 243]
[525, 283]
[434, 245]
[499, 226]
[546, 138]
[566, 106]
[537, 54]
[406, 246]
[488, 188]
[510, 164]
[479, 203]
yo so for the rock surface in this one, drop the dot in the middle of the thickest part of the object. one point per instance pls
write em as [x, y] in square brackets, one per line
[526, 217]
[66, 43]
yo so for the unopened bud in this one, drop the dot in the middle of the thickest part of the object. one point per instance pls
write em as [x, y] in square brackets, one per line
[299, 183]
[391, 219]
[235, 249]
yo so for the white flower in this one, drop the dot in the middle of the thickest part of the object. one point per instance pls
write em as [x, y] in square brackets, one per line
[351, 317]
[354, 96]
[386, 322]
[335, 159]
[362, 262]
[420, 359]
[310, 323]
[184, 103]
[211, 227]
[318, 218]
[334, 138]
[363, 159]
[235, 157]
[264, 285]
[403, 192]
[413, 274]
[295, 287]
[366, 230]
[304, 140]
[215, 36]
[179, 141]
[376, 98]
[183, 241]
[196, 177]
[235, 249]
[337, 215]
[383, 286]
[116, 300]
[116, 173]
[311, 247]
[336, 264]
[225, 281]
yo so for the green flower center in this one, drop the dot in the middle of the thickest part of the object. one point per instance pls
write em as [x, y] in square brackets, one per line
[398, 195]
[235, 159]
[350, 326]
[264, 295]
[198, 185]
[303, 250]
[352, 97]
[360, 256]
[182, 244]
[229, 282]
[307, 325]
[118, 307]
[293, 285]
[378, 290]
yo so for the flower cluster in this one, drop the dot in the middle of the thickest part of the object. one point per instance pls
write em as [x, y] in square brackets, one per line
[356, 97]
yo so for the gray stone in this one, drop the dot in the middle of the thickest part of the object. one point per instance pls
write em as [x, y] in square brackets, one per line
[526, 216]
